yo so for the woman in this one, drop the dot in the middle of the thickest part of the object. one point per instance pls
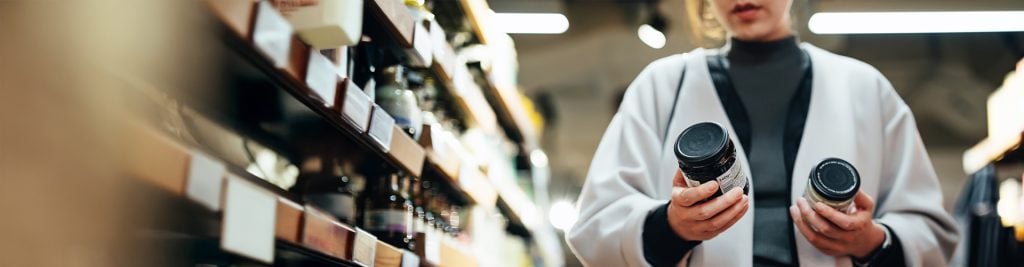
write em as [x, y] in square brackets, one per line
[788, 106]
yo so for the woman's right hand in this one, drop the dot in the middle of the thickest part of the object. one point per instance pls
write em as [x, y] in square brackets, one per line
[697, 222]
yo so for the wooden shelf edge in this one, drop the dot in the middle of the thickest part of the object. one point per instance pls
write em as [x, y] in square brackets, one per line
[409, 154]
[395, 18]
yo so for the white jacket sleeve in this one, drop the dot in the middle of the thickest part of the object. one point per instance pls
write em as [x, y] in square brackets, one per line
[620, 189]
[910, 200]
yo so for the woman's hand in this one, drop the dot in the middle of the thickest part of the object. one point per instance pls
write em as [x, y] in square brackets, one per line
[696, 222]
[836, 233]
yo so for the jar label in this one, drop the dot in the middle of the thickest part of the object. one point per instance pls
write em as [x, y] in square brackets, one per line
[389, 221]
[732, 178]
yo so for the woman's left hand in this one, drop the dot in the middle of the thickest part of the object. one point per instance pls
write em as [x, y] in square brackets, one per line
[836, 233]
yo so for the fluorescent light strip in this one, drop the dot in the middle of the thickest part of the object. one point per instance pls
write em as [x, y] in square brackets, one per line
[916, 22]
[651, 36]
[531, 23]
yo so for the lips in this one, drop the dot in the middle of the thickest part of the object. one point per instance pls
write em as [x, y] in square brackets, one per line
[746, 11]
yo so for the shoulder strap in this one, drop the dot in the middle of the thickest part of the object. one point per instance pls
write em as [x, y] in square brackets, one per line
[675, 102]
[734, 108]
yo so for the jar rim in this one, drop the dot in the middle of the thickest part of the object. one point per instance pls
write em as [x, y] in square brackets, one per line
[701, 144]
[835, 179]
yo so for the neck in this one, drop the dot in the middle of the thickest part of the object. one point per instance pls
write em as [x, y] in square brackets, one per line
[739, 50]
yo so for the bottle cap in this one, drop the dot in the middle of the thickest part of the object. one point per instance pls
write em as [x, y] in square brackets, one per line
[835, 179]
[701, 144]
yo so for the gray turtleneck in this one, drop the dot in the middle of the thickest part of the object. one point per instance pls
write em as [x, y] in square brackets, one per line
[765, 75]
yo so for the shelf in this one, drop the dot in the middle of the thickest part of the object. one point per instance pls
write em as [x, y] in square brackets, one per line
[478, 13]
[394, 17]
[520, 209]
[512, 115]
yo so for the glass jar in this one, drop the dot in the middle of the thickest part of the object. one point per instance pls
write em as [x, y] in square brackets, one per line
[705, 153]
[388, 214]
[833, 182]
[394, 96]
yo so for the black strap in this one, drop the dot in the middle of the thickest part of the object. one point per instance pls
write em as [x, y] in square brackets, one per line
[675, 102]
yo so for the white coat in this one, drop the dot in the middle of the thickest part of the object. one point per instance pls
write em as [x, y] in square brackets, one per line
[854, 114]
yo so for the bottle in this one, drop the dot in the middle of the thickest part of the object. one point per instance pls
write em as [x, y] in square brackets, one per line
[835, 183]
[706, 154]
[406, 193]
[388, 215]
[394, 96]
[330, 190]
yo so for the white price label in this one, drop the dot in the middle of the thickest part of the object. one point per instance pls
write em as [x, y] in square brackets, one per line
[357, 106]
[409, 259]
[248, 223]
[364, 250]
[321, 78]
[205, 179]
[382, 127]
[272, 34]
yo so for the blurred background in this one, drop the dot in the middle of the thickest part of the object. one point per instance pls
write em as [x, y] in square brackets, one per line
[243, 132]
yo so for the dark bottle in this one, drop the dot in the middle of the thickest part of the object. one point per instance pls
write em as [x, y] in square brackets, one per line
[833, 182]
[330, 190]
[429, 216]
[388, 215]
[705, 154]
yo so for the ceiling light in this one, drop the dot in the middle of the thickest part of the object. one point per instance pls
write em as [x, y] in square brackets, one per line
[531, 23]
[916, 22]
[650, 36]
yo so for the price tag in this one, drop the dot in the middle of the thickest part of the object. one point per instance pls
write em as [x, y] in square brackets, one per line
[248, 223]
[357, 107]
[365, 249]
[410, 259]
[272, 34]
[432, 247]
[321, 78]
[421, 47]
[381, 128]
[205, 177]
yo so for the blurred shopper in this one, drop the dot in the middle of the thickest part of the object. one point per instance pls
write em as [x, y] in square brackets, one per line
[787, 105]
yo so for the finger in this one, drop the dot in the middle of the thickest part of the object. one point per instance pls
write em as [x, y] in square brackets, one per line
[678, 179]
[842, 220]
[864, 202]
[728, 217]
[692, 195]
[816, 223]
[818, 240]
[711, 208]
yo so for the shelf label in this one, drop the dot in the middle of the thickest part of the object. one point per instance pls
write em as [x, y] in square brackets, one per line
[272, 34]
[320, 77]
[248, 223]
[421, 47]
[364, 250]
[356, 107]
[381, 128]
[205, 179]
[410, 259]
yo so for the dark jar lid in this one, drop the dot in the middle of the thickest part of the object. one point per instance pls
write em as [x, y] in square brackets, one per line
[835, 179]
[702, 144]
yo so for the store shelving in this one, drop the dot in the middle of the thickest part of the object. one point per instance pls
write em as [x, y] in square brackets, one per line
[269, 97]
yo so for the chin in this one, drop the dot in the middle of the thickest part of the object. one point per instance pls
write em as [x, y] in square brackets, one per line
[751, 34]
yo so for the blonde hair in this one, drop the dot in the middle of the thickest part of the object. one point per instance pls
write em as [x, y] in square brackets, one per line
[704, 28]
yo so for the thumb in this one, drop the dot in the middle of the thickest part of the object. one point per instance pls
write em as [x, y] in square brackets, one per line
[679, 180]
[864, 202]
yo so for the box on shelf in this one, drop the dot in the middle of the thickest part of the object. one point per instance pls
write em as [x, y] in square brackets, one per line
[323, 233]
[288, 225]
[205, 180]
[329, 23]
